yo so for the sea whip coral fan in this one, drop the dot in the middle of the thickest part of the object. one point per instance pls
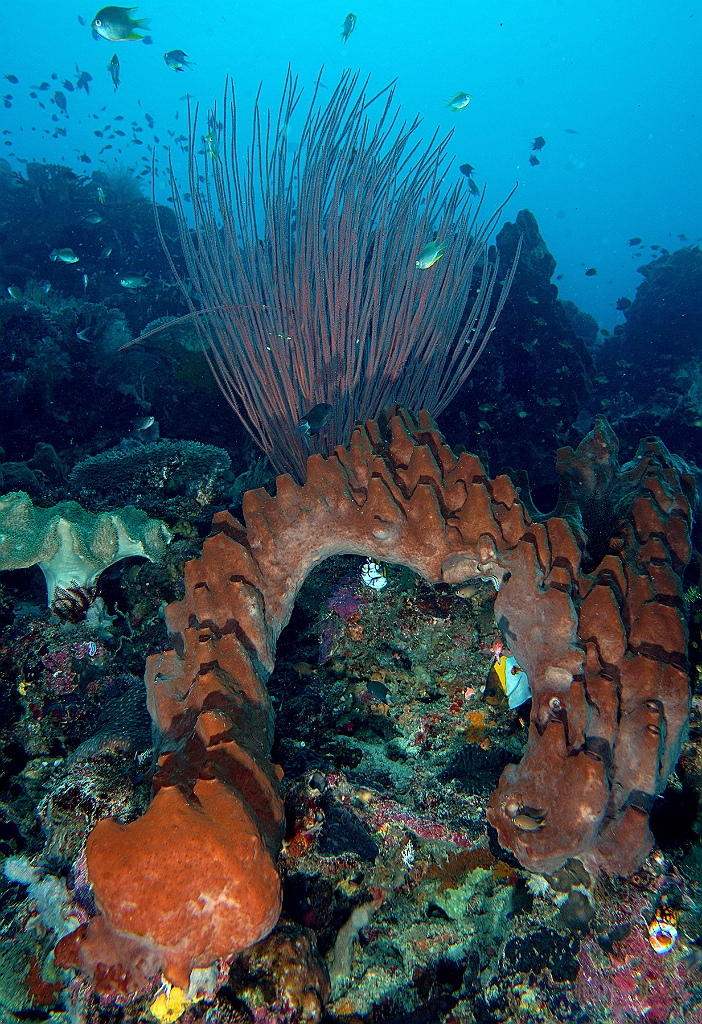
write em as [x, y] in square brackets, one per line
[302, 267]
[194, 879]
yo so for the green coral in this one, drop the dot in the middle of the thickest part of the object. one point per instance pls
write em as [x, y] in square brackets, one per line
[70, 545]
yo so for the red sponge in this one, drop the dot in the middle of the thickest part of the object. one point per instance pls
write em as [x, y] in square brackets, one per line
[164, 911]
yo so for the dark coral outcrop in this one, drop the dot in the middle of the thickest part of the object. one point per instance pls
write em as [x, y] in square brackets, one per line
[535, 375]
[652, 363]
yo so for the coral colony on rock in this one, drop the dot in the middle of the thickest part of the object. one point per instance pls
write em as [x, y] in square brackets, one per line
[334, 701]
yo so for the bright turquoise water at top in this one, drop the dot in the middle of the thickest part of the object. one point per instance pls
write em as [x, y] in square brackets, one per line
[626, 77]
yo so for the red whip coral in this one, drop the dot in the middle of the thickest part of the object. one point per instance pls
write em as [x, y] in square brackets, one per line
[194, 879]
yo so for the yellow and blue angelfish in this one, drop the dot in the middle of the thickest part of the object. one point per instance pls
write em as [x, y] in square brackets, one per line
[507, 683]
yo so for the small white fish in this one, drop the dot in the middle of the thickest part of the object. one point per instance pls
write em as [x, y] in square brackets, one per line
[93, 218]
[14, 292]
[373, 574]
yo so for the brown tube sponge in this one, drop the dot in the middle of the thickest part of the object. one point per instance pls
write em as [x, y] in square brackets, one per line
[589, 601]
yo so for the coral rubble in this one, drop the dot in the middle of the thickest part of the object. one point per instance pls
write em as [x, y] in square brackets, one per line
[597, 622]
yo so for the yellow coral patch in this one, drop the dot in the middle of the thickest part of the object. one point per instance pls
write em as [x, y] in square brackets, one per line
[169, 1004]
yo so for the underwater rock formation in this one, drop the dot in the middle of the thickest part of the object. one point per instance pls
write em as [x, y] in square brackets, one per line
[663, 324]
[36, 475]
[600, 631]
[71, 546]
[651, 364]
[535, 375]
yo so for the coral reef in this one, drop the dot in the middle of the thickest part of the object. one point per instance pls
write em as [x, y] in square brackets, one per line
[49, 372]
[52, 207]
[536, 374]
[597, 622]
[651, 365]
[152, 476]
[65, 376]
[63, 679]
[71, 546]
[285, 974]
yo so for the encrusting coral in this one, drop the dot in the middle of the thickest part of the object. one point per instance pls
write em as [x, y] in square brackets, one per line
[604, 650]
[71, 546]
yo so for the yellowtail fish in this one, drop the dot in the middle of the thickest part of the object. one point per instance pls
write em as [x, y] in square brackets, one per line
[429, 255]
[113, 68]
[460, 101]
[348, 26]
[176, 59]
[211, 146]
[133, 281]
[64, 255]
[116, 24]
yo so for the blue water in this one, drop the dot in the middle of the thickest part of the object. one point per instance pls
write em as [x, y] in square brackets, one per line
[627, 77]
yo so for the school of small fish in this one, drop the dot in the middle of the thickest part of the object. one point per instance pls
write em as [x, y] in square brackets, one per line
[118, 25]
